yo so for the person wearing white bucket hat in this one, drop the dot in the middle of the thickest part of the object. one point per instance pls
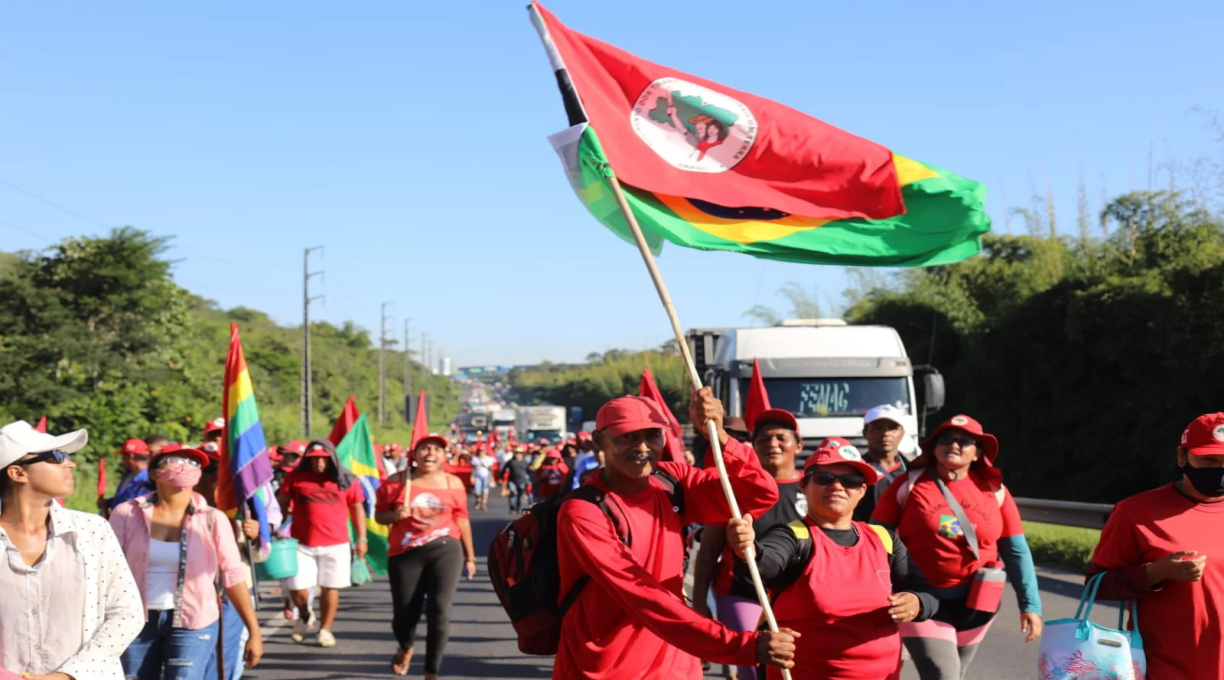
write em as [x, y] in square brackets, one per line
[86, 608]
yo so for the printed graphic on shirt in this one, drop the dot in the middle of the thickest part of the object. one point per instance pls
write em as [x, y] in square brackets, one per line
[426, 511]
[949, 527]
[801, 505]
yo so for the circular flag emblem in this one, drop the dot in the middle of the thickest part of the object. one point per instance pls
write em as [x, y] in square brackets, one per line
[960, 420]
[692, 127]
[1218, 433]
[849, 453]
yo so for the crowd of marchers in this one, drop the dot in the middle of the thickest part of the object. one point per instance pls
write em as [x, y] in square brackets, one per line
[862, 553]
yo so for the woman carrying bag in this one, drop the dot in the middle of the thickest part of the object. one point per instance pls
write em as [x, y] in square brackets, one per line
[429, 546]
[177, 546]
[963, 531]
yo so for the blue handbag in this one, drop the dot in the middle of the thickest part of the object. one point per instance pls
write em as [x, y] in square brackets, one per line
[1078, 649]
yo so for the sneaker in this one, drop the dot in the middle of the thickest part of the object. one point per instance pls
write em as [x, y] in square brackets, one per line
[326, 639]
[301, 628]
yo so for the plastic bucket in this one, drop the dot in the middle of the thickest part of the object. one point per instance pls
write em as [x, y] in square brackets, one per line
[281, 563]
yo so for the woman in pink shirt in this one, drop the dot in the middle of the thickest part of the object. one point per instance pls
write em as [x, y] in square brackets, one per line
[177, 547]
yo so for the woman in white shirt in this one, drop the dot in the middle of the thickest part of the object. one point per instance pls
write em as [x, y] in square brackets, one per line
[70, 604]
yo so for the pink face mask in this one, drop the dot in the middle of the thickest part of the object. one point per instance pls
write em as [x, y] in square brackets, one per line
[179, 476]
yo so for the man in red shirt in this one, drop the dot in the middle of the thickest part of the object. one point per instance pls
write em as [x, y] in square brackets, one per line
[324, 497]
[1165, 548]
[630, 621]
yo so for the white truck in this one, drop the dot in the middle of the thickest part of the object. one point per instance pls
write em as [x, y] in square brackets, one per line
[824, 371]
[503, 420]
[541, 422]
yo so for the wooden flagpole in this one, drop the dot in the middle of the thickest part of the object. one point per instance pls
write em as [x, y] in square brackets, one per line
[695, 379]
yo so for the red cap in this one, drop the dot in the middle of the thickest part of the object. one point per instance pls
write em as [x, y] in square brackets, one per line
[834, 451]
[629, 414]
[214, 425]
[212, 450]
[986, 442]
[316, 451]
[775, 415]
[432, 439]
[1204, 436]
[134, 447]
[183, 451]
[584, 435]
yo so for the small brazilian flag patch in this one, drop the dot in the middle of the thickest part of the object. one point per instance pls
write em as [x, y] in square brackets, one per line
[949, 527]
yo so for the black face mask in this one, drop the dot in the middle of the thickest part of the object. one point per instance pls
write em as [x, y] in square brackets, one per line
[1207, 481]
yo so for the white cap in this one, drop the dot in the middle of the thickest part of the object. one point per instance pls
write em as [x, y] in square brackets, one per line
[885, 412]
[20, 439]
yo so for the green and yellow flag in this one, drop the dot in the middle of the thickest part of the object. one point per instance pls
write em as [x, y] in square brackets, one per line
[356, 452]
[943, 223]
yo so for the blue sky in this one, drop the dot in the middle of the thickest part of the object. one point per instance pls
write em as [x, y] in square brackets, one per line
[409, 138]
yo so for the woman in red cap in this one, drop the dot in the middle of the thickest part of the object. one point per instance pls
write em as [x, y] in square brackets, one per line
[1164, 549]
[550, 479]
[176, 545]
[429, 547]
[844, 585]
[964, 533]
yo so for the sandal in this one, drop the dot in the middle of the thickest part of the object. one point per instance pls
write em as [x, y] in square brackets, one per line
[403, 657]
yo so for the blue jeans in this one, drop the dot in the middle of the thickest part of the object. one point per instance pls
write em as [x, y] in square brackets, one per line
[163, 652]
[231, 638]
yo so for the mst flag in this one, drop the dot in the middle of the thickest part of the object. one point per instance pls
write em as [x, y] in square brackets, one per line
[944, 222]
[356, 452]
[244, 477]
[675, 435]
[758, 398]
[675, 134]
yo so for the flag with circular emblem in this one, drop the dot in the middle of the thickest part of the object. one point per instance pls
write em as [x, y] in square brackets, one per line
[683, 187]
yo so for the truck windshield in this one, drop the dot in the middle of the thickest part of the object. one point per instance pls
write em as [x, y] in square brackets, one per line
[553, 436]
[833, 397]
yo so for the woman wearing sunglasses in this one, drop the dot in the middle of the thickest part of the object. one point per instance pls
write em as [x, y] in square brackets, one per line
[963, 530]
[843, 585]
[177, 547]
[69, 606]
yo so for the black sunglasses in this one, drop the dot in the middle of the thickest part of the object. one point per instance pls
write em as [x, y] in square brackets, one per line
[847, 481]
[57, 457]
[950, 439]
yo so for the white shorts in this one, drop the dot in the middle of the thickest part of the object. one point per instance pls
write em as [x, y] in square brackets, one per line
[328, 566]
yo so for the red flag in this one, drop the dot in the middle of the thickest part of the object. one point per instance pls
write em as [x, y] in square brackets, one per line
[420, 423]
[348, 415]
[42, 425]
[675, 435]
[101, 478]
[758, 399]
[672, 133]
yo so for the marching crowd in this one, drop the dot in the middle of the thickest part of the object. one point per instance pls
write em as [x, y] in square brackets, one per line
[863, 553]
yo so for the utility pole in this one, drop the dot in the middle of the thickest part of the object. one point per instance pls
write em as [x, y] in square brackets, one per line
[382, 368]
[424, 359]
[407, 368]
[307, 377]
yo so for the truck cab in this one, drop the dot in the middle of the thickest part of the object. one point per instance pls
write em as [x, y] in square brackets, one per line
[826, 372]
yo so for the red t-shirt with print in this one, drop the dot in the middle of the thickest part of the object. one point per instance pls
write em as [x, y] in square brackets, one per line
[320, 508]
[930, 530]
[435, 514]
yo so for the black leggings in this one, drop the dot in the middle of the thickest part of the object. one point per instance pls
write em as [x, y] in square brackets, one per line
[432, 569]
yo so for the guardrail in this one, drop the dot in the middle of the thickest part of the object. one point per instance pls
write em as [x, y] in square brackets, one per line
[1066, 513]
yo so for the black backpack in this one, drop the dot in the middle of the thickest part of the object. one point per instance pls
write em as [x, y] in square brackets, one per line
[525, 571]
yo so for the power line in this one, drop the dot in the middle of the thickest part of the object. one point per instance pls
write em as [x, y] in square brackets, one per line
[27, 232]
[53, 204]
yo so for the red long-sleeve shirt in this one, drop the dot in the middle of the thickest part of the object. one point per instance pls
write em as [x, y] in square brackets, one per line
[631, 621]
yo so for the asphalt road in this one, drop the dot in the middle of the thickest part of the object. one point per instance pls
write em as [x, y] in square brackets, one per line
[482, 641]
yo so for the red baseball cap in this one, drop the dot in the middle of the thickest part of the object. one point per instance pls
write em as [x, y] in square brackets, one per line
[986, 442]
[1204, 436]
[775, 415]
[584, 435]
[214, 425]
[183, 451]
[630, 414]
[318, 449]
[294, 446]
[134, 447]
[432, 439]
[835, 451]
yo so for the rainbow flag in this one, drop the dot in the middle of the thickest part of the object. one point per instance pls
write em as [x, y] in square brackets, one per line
[356, 452]
[245, 476]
